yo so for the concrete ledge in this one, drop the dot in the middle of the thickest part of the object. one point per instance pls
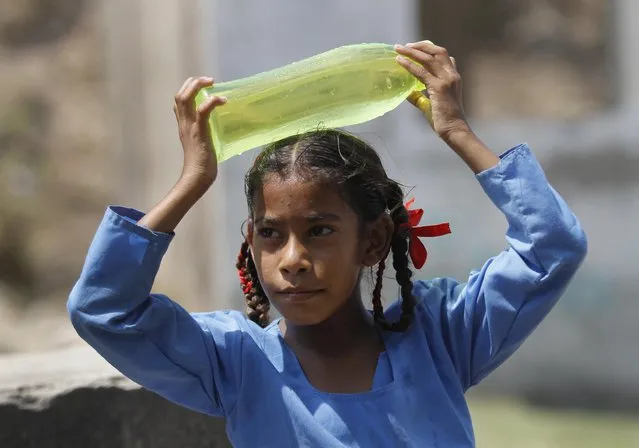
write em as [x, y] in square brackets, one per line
[73, 398]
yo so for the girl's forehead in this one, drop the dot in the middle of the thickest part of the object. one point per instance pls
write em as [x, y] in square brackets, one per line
[297, 196]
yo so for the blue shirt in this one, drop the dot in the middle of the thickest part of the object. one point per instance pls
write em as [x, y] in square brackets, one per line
[222, 364]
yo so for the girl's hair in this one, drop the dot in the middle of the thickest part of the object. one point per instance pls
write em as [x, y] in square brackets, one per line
[335, 157]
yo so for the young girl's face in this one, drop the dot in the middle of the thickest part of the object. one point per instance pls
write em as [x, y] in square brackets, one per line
[308, 248]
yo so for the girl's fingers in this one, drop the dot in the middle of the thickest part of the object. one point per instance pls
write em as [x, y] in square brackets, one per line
[440, 54]
[205, 109]
[192, 90]
[418, 71]
[185, 85]
[416, 55]
[430, 62]
[454, 62]
[428, 47]
[185, 99]
[175, 111]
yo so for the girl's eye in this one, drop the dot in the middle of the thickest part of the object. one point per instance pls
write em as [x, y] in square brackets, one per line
[318, 231]
[267, 233]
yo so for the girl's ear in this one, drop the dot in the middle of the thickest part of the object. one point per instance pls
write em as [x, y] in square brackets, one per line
[249, 232]
[378, 236]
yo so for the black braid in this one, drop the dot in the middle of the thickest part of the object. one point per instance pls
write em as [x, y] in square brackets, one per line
[378, 308]
[257, 304]
[403, 274]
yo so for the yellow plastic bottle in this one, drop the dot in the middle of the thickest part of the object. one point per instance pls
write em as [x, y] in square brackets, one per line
[342, 87]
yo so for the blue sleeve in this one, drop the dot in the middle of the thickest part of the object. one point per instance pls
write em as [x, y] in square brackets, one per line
[486, 319]
[192, 360]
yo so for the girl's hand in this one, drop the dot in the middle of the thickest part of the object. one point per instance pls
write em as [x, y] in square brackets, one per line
[200, 161]
[437, 70]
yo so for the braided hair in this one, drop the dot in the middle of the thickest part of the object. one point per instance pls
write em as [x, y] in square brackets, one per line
[257, 304]
[341, 159]
[403, 274]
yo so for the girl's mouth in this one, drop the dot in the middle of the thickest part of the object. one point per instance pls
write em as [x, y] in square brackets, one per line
[297, 295]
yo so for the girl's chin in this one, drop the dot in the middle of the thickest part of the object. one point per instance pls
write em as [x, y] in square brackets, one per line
[295, 315]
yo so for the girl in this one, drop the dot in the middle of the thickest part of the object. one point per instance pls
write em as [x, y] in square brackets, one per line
[331, 373]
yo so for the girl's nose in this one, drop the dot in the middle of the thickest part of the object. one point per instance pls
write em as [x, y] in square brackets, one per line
[295, 258]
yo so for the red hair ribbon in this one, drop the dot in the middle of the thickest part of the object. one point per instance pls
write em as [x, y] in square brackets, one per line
[416, 248]
[247, 285]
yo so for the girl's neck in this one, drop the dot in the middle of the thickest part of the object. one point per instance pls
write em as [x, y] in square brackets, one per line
[346, 330]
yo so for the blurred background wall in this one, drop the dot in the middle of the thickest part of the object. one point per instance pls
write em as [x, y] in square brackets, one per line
[86, 120]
